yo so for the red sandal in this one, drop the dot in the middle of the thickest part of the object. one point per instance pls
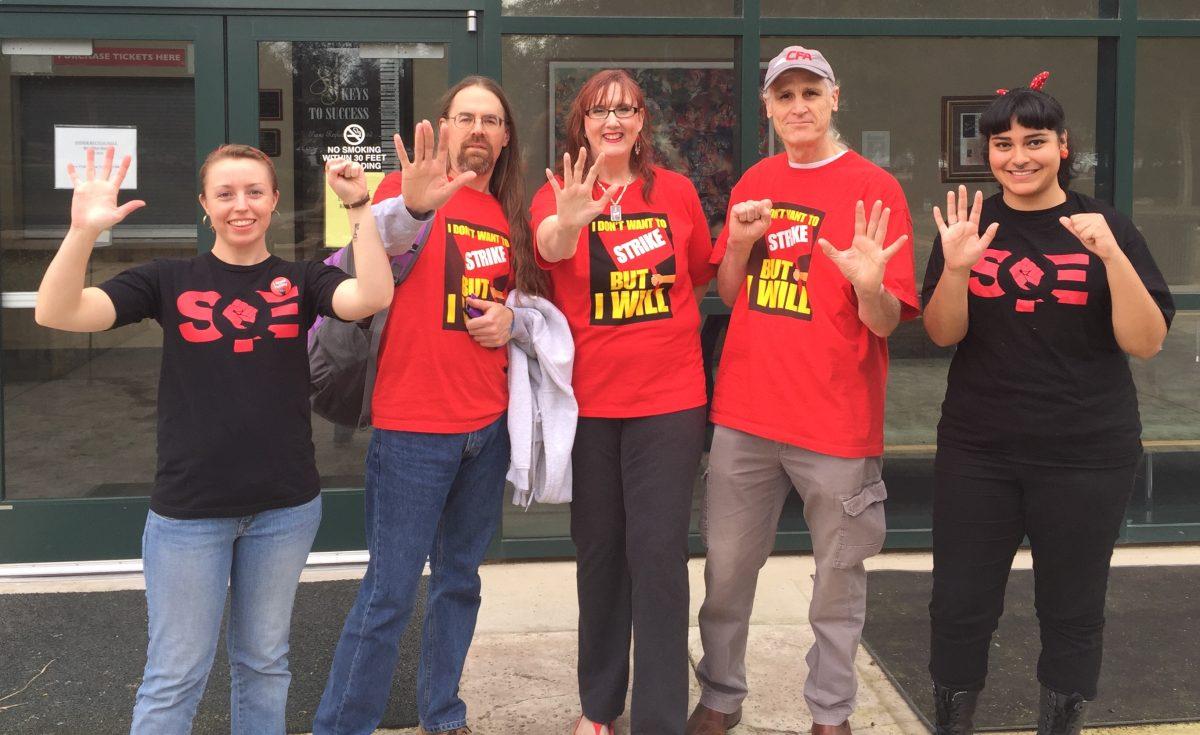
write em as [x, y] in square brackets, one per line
[600, 728]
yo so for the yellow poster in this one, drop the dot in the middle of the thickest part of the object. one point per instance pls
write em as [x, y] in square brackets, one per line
[337, 225]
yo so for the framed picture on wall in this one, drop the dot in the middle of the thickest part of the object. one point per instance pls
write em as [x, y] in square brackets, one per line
[693, 107]
[964, 148]
[270, 104]
[269, 142]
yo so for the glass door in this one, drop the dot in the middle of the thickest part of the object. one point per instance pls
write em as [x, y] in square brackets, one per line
[79, 421]
[305, 90]
[78, 413]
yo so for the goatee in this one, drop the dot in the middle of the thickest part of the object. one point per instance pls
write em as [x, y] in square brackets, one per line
[475, 159]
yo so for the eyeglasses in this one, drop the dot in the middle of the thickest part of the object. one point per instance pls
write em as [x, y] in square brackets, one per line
[623, 112]
[466, 120]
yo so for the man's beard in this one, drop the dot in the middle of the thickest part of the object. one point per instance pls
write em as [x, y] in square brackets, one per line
[475, 159]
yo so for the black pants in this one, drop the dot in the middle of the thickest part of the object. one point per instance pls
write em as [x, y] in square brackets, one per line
[633, 481]
[982, 507]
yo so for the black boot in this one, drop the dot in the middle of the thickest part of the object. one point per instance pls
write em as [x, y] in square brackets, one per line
[1061, 714]
[955, 710]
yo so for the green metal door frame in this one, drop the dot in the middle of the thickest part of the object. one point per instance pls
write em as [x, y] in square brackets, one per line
[342, 521]
[60, 530]
[225, 53]
[244, 33]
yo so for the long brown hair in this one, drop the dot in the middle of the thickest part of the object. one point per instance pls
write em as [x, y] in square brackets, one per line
[508, 186]
[595, 92]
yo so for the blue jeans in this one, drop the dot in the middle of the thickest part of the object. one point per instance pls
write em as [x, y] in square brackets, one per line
[189, 565]
[434, 496]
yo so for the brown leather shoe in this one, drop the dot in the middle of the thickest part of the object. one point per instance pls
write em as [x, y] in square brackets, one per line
[705, 721]
[842, 729]
[464, 730]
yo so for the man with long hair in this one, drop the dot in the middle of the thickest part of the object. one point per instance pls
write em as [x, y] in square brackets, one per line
[440, 448]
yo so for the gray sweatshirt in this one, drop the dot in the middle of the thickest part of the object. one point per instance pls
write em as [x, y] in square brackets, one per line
[541, 404]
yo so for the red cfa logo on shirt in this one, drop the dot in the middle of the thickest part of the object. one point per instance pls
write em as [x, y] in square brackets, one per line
[1060, 279]
[209, 316]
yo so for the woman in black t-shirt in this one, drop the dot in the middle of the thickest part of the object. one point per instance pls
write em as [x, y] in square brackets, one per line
[235, 505]
[1044, 291]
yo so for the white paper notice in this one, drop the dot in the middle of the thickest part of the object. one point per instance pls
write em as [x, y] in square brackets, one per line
[71, 143]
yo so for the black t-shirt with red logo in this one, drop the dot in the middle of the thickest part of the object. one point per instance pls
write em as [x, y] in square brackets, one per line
[234, 430]
[1039, 377]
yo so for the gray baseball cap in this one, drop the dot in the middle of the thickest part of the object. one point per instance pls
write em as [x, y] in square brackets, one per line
[797, 57]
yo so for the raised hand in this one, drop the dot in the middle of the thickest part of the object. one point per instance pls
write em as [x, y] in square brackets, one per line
[94, 203]
[864, 262]
[575, 205]
[962, 245]
[424, 181]
[347, 179]
[748, 222]
[1093, 231]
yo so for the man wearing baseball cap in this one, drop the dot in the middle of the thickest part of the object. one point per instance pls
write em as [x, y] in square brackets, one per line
[816, 264]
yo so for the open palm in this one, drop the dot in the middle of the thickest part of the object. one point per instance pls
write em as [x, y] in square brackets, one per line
[423, 177]
[865, 261]
[94, 204]
[962, 245]
[575, 206]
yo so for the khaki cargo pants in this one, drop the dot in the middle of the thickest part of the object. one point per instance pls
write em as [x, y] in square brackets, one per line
[749, 479]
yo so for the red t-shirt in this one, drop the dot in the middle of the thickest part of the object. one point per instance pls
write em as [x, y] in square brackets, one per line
[798, 365]
[433, 377]
[627, 295]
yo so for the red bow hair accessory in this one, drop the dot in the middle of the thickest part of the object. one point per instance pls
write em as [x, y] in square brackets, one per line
[1037, 82]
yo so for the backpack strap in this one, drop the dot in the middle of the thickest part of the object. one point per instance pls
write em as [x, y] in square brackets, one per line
[377, 324]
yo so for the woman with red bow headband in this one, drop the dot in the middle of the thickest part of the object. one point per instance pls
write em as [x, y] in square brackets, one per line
[1044, 291]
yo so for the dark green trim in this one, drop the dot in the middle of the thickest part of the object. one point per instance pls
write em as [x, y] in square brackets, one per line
[491, 47]
[1174, 533]
[95, 529]
[813, 27]
[224, 7]
[92, 529]
[614, 26]
[342, 523]
[1125, 82]
[1186, 301]
[749, 50]
[212, 99]
[1106, 116]
[72, 530]
[1167, 28]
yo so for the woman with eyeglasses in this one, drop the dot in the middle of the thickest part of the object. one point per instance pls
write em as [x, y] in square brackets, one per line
[627, 245]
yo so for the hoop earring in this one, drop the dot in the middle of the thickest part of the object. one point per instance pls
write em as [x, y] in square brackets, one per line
[274, 212]
[207, 222]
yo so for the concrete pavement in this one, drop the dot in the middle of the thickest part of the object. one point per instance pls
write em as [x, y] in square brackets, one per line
[520, 674]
